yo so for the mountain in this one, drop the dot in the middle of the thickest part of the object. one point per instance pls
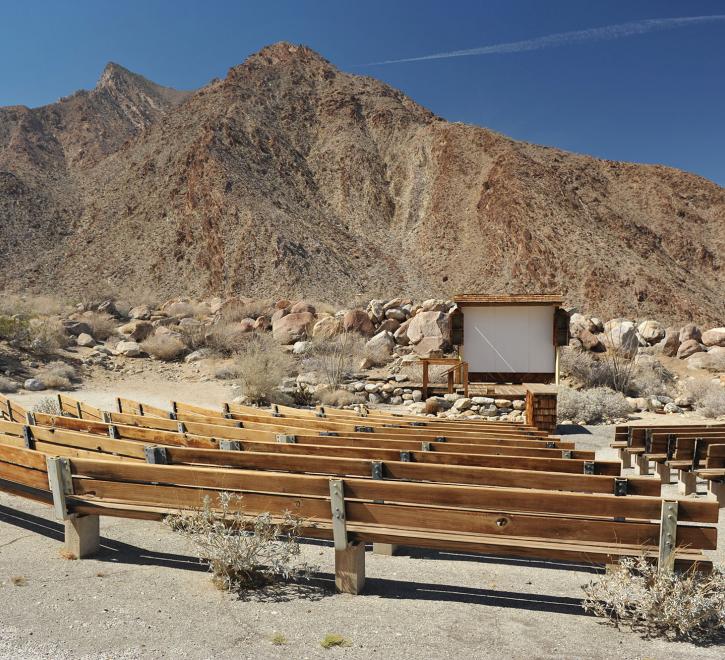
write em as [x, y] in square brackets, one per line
[291, 178]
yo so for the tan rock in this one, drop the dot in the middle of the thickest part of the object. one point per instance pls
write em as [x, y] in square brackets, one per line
[293, 327]
[714, 337]
[357, 320]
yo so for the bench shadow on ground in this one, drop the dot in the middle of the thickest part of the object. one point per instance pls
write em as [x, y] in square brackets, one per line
[321, 585]
[572, 429]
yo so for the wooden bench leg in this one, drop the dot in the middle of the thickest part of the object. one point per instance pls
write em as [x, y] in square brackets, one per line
[386, 549]
[350, 568]
[626, 458]
[641, 466]
[664, 472]
[717, 490]
[82, 535]
[687, 482]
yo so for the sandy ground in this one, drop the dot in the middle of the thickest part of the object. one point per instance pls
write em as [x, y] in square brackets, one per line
[145, 596]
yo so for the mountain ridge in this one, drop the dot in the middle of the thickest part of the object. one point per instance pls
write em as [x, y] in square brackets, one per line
[289, 177]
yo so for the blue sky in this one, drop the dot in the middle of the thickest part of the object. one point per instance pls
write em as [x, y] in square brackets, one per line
[657, 97]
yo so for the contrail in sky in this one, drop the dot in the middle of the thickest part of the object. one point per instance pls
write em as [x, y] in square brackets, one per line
[565, 38]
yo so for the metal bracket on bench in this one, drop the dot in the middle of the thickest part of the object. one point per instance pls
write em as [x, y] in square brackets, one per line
[172, 416]
[419, 424]
[588, 467]
[425, 446]
[697, 453]
[30, 418]
[377, 469]
[566, 453]
[284, 438]
[392, 426]
[320, 412]
[119, 405]
[140, 408]
[156, 454]
[181, 427]
[668, 535]
[648, 441]
[174, 408]
[113, 432]
[671, 442]
[275, 411]
[405, 456]
[620, 486]
[329, 433]
[551, 444]
[339, 522]
[106, 417]
[79, 410]
[28, 437]
[441, 438]
[61, 484]
[630, 433]
[227, 412]
[364, 429]
[230, 445]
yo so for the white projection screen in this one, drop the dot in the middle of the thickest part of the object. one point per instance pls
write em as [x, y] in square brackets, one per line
[509, 339]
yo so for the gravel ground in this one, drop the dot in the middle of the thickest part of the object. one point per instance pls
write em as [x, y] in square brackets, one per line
[146, 597]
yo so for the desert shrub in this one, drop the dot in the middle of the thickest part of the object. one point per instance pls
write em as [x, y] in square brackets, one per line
[194, 336]
[46, 335]
[303, 395]
[56, 375]
[333, 639]
[432, 407]
[164, 347]
[32, 305]
[7, 385]
[652, 378]
[591, 406]
[338, 398]
[262, 365]
[48, 405]
[577, 364]
[14, 329]
[708, 396]
[226, 338]
[242, 550]
[102, 325]
[182, 310]
[687, 606]
[237, 310]
[335, 357]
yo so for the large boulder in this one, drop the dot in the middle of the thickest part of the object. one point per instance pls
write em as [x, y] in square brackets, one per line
[579, 323]
[276, 316]
[357, 320]
[391, 325]
[589, 341]
[670, 343]
[432, 326]
[689, 347]
[714, 337]
[651, 331]
[690, 331]
[85, 340]
[77, 328]
[292, 327]
[137, 329]
[396, 313]
[142, 312]
[380, 348]
[327, 327]
[262, 323]
[621, 335]
[401, 334]
[303, 306]
[713, 360]
[128, 348]
[376, 311]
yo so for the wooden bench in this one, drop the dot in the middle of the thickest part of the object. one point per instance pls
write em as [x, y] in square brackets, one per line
[510, 521]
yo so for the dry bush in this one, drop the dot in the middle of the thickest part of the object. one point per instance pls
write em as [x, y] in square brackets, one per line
[613, 369]
[262, 365]
[338, 398]
[48, 405]
[243, 551]
[7, 385]
[303, 395]
[30, 305]
[226, 337]
[197, 310]
[651, 379]
[56, 375]
[47, 335]
[709, 396]
[237, 310]
[14, 329]
[335, 357]
[432, 407]
[102, 325]
[591, 406]
[164, 347]
[687, 606]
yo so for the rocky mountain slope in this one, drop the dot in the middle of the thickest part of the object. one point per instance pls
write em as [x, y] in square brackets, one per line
[289, 177]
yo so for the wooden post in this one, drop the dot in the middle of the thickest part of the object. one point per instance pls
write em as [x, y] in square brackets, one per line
[641, 465]
[626, 458]
[717, 490]
[465, 379]
[687, 482]
[668, 535]
[82, 535]
[425, 380]
[664, 472]
[350, 568]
